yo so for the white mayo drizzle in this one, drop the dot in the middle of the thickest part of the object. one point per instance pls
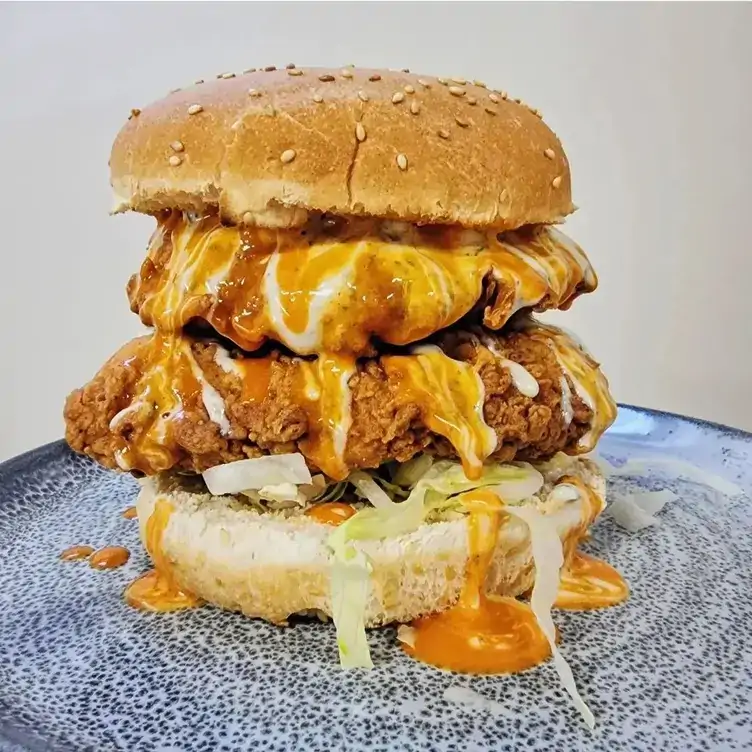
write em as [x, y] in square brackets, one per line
[213, 402]
[566, 401]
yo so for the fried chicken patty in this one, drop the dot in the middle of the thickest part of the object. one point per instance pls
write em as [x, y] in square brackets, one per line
[173, 402]
[345, 287]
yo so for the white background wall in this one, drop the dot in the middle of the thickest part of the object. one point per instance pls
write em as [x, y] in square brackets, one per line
[653, 104]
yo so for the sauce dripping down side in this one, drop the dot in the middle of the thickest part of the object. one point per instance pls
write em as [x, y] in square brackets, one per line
[109, 557]
[130, 514]
[481, 634]
[76, 553]
[331, 512]
[157, 590]
[450, 396]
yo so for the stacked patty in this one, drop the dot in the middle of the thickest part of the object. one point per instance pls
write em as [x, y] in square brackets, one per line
[310, 323]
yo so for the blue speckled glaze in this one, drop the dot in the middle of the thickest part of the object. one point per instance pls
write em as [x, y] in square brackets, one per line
[79, 670]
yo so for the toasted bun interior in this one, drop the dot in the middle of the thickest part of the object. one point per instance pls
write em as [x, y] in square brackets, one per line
[267, 147]
[269, 566]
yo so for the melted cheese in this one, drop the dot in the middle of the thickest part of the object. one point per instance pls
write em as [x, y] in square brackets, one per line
[450, 396]
[481, 634]
[337, 294]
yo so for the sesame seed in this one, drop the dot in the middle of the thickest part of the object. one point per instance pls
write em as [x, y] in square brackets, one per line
[362, 96]
[479, 83]
[472, 100]
[177, 146]
[318, 98]
[456, 91]
[254, 93]
[326, 77]
[409, 89]
[398, 97]
[549, 153]
[461, 122]
[518, 101]
[443, 81]
[504, 95]
[174, 91]
[270, 68]
[249, 70]
[248, 218]
[175, 160]
[199, 81]
[135, 112]
[346, 73]
[423, 82]
[360, 132]
[294, 72]
[459, 80]
[227, 75]
[494, 98]
[537, 113]
[490, 111]
[287, 156]
[415, 107]
[374, 77]
[405, 70]
[290, 66]
[443, 134]
[556, 182]
[402, 162]
[194, 109]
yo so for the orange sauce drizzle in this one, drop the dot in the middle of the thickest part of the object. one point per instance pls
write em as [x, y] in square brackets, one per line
[130, 514]
[252, 284]
[109, 557]
[331, 512]
[589, 382]
[76, 553]
[481, 634]
[322, 388]
[587, 583]
[157, 590]
[450, 396]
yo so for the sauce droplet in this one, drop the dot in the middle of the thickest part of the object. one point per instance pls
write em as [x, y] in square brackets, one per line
[331, 512]
[482, 634]
[157, 590]
[109, 557]
[130, 514]
[588, 583]
[76, 553]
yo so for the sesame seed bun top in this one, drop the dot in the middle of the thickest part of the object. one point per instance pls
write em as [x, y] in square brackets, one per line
[269, 146]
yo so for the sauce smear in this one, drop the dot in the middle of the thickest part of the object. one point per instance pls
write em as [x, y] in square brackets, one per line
[157, 590]
[587, 583]
[130, 514]
[76, 553]
[331, 512]
[482, 634]
[109, 557]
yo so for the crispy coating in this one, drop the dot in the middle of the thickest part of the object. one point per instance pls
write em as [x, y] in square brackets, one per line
[383, 427]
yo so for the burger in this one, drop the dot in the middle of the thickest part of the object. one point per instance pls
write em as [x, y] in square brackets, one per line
[345, 406]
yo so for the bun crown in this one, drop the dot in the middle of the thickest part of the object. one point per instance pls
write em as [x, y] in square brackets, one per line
[267, 147]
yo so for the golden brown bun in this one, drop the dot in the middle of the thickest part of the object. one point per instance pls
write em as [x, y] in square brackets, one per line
[442, 153]
[270, 567]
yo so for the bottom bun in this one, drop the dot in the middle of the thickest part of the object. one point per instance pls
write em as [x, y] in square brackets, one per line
[270, 566]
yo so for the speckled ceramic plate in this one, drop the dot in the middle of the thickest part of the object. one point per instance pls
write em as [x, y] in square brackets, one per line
[79, 670]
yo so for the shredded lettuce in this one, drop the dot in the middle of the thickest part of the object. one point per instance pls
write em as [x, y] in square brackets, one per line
[438, 486]
[548, 558]
[369, 489]
[409, 473]
[350, 586]
[243, 475]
